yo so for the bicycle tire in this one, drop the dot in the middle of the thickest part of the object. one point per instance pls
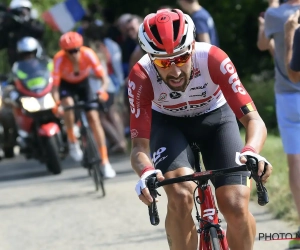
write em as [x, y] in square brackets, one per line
[214, 240]
[93, 155]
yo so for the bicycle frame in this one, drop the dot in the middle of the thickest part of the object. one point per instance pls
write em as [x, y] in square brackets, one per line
[209, 212]
[209, 218]
[91, 157]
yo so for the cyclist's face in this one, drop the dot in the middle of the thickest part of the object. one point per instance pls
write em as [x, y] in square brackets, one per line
[176, 77]
[73, 54]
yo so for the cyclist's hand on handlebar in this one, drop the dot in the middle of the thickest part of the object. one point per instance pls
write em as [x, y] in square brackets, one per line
[141, 188]
[102, 95]
[264, 167]
[58, 110]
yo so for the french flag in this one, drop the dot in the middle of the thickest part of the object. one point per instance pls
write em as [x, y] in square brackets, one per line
[63, 16]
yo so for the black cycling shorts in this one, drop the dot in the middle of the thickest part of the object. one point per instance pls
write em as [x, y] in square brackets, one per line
[81, 90]
[215, 133]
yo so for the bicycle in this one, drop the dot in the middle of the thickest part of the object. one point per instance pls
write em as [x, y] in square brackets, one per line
[91, 156]
[212, 236]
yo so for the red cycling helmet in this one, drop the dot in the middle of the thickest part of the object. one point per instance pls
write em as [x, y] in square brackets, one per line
[70, 40]
[166, 32]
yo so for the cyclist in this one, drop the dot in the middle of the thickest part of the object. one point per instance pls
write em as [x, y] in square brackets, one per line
[73, 65]
[184, 92]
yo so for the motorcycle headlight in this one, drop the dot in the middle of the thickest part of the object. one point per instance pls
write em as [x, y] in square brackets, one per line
[32, 104]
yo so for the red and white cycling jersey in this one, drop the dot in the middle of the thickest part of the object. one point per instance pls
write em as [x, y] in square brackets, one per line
[214, 82]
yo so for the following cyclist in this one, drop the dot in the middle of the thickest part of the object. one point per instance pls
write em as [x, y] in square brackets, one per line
[72, 67]
[184, 92]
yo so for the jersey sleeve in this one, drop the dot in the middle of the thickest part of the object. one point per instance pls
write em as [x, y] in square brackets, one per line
[223, 73]
[95, 63]
[140, 95]
[56, 70]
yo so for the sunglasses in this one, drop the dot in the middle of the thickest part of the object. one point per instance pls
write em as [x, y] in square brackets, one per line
[178, 60]
[73, 51]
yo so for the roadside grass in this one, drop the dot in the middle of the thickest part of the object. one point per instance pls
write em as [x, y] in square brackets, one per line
[281, 203]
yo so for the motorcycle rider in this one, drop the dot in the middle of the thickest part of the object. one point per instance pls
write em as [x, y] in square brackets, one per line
[16, 24]
[27, 48]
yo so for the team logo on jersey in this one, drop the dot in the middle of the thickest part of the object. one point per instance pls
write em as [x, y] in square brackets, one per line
[203, 94]
[158, 79]
[175, 95]
[228, 67]
[134, 102]
[134, 133]
[200, 87]
[157, 156]
[162, 97]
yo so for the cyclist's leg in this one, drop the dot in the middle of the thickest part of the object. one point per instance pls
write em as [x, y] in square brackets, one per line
[66, 96]
[95, 124]
[172, 155]
[232, 191]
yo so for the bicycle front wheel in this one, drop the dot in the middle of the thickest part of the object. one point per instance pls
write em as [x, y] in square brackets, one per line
[214, 240]
[94, 161]
[98, 178]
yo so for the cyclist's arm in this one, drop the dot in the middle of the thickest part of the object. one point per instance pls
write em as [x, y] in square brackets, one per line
[56, 76]
[140, 94]
[223, 73]
[140, 155]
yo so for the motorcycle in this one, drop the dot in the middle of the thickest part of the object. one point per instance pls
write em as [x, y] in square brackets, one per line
[41, 133]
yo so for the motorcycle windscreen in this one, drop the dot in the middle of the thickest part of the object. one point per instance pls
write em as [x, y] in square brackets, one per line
[32, 104]
[33, 74]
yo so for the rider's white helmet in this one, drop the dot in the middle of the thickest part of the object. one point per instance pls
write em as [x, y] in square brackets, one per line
[15, 4]
[27, 44]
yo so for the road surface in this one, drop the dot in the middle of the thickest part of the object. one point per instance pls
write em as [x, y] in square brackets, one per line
[39, 211]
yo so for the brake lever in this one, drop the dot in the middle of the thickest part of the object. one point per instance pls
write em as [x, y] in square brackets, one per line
[152, 208]
[262, 193]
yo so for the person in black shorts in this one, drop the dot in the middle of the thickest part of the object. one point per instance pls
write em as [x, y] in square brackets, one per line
[185, 95]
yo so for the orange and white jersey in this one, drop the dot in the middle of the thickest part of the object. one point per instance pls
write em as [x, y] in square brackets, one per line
[63, 68]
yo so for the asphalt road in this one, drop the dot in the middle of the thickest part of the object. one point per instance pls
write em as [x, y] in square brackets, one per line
[39, 211]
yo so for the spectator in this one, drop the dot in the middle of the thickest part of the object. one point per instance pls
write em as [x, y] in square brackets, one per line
[261, 26]
[128, 25]
[109, 53]
[287, 94]
[205, 26]
[17, 24]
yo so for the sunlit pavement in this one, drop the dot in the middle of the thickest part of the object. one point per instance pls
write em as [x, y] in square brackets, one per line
[39, 211]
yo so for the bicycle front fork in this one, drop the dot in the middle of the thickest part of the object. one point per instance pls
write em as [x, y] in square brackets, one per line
[209, 218]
